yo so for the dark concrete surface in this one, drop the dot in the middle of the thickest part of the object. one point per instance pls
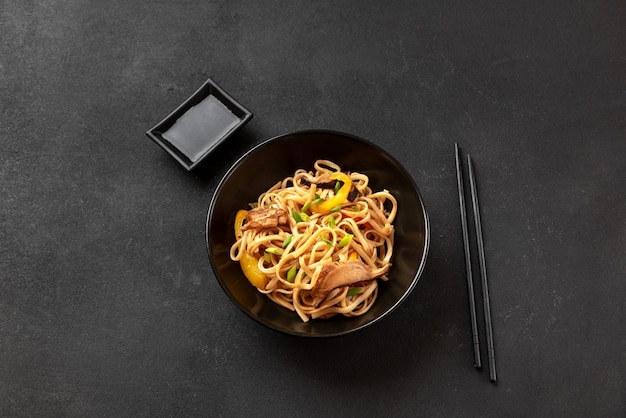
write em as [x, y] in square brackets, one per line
[108, 304]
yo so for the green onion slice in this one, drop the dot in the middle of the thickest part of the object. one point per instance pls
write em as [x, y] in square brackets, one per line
[317, 200]
[354, 291]
[287, 240]
[296, 215]
[291, 274]
[345, 240]
[327, 241]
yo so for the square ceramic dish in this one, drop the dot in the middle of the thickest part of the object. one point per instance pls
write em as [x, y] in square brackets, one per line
[203, 121]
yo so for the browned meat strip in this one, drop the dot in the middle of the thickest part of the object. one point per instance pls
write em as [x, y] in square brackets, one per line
[261, 218]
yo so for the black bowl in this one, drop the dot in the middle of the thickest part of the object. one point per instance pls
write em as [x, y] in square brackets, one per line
[280, 157]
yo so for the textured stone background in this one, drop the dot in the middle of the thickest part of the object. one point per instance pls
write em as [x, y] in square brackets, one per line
[108, 304]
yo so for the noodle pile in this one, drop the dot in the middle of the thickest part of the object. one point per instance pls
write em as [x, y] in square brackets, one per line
[289, 260]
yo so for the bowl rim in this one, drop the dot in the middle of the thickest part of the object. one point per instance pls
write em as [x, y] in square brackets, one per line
[405, 295]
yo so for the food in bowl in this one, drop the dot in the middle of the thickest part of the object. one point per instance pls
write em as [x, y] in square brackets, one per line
[279, 157]
[318, 242]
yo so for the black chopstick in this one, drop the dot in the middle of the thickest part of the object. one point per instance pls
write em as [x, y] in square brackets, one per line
[483, 273]
[468, 262]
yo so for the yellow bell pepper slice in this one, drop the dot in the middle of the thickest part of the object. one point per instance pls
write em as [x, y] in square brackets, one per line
[249, 263]
[327, 205]
[239, 218]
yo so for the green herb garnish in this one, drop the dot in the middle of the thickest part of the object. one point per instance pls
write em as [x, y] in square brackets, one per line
[317, 200]
[345, 240]
[354, 291]
[274, 251]
[291, 274]
[327, 241]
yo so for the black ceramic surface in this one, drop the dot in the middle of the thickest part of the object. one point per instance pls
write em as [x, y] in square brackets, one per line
[280, 157]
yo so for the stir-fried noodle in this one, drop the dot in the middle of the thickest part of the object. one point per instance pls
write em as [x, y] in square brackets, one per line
[318, 242]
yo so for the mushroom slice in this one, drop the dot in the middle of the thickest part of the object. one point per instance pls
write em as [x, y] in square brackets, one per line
[346, 273]
[322, 182]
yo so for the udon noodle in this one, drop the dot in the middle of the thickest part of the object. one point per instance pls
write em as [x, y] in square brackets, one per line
[318, 242]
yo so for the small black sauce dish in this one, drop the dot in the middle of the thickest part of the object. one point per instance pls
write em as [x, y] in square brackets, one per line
[203, 121]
